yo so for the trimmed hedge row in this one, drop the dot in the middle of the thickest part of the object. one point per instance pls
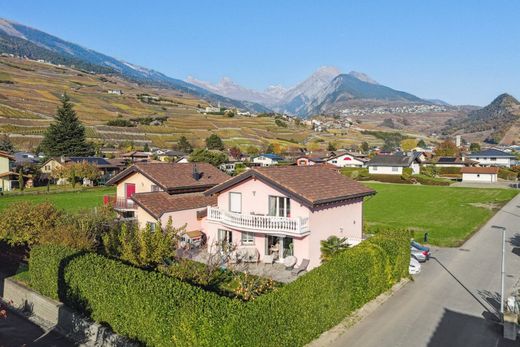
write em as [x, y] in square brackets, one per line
[162, 311]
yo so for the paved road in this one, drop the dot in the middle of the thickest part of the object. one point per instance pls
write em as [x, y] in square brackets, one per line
[453, 302]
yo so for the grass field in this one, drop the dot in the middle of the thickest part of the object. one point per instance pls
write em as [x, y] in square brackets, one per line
[70, 201]
[449, 215]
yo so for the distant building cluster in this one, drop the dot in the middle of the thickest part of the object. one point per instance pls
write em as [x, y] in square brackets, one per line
[363, 111]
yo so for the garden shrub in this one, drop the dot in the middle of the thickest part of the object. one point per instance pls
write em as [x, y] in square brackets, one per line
[389, 178]
[430, 181]
[449, 170]
[159, 310]
[507, 174]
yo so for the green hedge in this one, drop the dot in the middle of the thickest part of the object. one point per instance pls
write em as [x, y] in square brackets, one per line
[430, 181]
[162, 311]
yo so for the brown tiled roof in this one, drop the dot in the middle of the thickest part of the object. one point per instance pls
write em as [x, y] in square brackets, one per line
[159, 203]
[311, 185]
[479, 170]
[176, 176]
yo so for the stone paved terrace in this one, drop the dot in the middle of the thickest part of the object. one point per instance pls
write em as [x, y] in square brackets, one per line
[276, 271]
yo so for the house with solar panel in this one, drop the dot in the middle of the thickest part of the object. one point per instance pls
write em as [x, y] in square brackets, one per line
[493, 157]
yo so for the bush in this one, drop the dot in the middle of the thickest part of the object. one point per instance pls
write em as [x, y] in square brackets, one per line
[389, 178]
[507, 174]
[430, 181]
[161, 311]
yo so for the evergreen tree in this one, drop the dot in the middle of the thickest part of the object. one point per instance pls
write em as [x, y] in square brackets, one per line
[6, 145]
[365, 147]
[331, 147]
[422, 144]
[66, 136]
[214, 142]
[146, 147]
[184, 145]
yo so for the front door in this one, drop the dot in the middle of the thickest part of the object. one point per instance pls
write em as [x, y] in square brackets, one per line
[129, 190]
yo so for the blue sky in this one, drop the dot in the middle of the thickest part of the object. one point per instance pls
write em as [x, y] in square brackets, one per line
[464, 52]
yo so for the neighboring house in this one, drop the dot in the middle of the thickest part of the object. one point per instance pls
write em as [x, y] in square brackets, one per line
[8, 177]
[106, 168]
[230, 167]
[479, 174]
[25, 158]
[393, 164]
[451, 162]
[493, 157]
[172, 178]
[183, 160]
[115, 91]
[346, 159]
[285, 211]
[169, 156]
[136, 156]
[267, 159]
[307, 160]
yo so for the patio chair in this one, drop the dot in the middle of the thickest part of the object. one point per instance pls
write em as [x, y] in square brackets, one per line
[290, 262]
[303, 266]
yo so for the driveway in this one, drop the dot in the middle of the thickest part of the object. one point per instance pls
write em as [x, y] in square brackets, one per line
[455, 299]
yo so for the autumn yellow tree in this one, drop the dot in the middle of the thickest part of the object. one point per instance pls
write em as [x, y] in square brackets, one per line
[408, 144]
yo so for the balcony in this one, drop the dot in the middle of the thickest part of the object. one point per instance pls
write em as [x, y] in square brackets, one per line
[119, 203]
[264, 224]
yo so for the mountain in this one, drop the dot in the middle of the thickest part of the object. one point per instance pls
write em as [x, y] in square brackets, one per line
[227, 87]
[498, 122]
[22, 40]
[346, 90]
[296, 99]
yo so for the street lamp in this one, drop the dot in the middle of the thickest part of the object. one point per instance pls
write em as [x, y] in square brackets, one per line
[502, 268]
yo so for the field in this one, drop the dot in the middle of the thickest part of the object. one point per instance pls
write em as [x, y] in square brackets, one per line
[30, 94]
[70, 201]
[450, 215]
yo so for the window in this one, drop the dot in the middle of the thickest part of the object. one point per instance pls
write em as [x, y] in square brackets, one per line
[334, 162]
[235, 202]
[493, 159]
[279, 206]
[225, 236]
[156, 188]
[395, 169]
[247, 238]
[374, 168]
[478, 175]
[151, 225]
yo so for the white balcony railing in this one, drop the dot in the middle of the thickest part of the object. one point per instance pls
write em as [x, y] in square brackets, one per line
[256, 223]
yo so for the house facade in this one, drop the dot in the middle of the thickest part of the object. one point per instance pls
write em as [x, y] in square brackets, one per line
[479, 174]
[348, 160]
[267, 159]
[278, 212]
[493, 157]
[8, 177]
[152, 183]
[452, 162]
[394, 164]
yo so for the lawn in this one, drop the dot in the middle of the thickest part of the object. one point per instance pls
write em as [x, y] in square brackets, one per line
[450, 215]
[70, 201]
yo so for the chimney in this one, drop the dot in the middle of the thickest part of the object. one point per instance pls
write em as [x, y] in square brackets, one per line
[195, 174]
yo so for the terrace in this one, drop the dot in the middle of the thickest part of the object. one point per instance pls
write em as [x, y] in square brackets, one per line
[259, 223]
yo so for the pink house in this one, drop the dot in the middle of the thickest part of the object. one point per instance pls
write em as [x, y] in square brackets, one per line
[286, 211]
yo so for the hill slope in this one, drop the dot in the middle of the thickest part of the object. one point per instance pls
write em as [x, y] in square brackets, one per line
[24, 41]
[498, 122]
[29, 95]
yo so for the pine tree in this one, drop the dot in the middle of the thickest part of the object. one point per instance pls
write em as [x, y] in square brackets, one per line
[214, 142]
[184, 145]
[66, 136]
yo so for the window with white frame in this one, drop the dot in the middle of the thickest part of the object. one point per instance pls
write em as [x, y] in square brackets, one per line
[395, 169]
[279, 206]
[225, 236]
[151, 225]
[247, 238]
[374, 168]
[235, 202]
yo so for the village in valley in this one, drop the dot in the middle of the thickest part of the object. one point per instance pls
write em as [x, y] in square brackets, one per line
[138, 209]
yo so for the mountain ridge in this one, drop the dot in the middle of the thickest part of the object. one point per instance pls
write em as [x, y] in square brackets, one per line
[22, 40]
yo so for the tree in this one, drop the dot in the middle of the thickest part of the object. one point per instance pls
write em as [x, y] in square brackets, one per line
[235, 152]
[214, 142]
[6, 145]
[332, 246]
[364, 146]
[447, 149]
[422, 144]
[215, 158]
[66, 135]
[331, 147]
[474, 147]
[20, 180]
[408, 144]
[269, 148]
[146, 147]
[184, 145]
